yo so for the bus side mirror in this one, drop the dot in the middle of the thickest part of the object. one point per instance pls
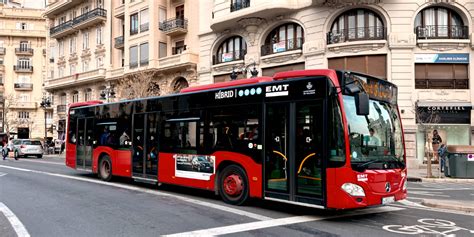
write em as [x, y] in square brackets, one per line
[362, 103]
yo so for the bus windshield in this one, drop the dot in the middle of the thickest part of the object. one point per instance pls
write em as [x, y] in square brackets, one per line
[376, 139]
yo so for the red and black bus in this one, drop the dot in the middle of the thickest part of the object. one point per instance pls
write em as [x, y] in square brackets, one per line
[324, 138]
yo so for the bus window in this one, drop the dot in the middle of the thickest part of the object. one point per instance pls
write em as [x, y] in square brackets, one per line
[336, 136]
[180, 136]
[72, 130]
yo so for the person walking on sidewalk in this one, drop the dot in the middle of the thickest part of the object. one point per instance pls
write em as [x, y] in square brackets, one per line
[436, 140]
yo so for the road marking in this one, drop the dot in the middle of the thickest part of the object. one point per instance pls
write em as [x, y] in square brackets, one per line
[14, 221]
[2, 174]
[279, 222]
[425, 193]
[425, 208]
[153, 192]
[440, 189]
[45, 162]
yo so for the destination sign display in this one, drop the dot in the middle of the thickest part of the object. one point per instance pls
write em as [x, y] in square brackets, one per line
[377, 89]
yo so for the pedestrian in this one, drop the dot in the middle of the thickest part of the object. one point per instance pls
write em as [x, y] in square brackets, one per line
[4, 149]
[435, 141]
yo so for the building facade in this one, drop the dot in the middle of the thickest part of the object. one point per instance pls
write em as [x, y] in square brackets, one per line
[95, 45]
[424, 47]
[22, 70]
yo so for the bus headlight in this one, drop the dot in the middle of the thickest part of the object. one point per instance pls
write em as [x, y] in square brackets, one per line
[353, 189]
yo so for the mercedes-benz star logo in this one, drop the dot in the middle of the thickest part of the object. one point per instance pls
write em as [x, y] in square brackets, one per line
[387, 187]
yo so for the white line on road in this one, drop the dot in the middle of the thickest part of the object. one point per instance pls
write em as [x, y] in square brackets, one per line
[440, 189]
[14, 221]
[278, 222]
[425, 193]
[45, 162]
[149, 191]
[2, 174]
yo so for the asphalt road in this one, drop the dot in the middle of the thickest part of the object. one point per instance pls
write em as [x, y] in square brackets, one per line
[49, 199]
[443, 191]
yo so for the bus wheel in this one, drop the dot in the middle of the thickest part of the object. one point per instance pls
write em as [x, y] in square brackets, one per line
[105, 168]
[233, 185]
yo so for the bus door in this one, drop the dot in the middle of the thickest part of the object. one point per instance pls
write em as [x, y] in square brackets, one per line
[293, 166]
[85, 139]
[145, 146]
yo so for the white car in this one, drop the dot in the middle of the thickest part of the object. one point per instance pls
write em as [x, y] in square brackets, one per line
[27, 147]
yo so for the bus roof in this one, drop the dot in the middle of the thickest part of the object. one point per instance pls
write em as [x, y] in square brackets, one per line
[86, 103]
[305, 73]
[218, 85]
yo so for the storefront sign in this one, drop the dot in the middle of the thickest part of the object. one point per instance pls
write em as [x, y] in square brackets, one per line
[442, 58]
[444, 114]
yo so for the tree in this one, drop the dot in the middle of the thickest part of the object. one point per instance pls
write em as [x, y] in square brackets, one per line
[425, 118]
[138, 85]
[9, 119]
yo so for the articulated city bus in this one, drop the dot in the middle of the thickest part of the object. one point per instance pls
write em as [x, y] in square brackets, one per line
[323, 138]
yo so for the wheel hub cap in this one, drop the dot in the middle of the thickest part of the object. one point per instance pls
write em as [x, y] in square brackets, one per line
[233, 185]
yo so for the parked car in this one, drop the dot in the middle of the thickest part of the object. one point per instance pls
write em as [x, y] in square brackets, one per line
[26, 147]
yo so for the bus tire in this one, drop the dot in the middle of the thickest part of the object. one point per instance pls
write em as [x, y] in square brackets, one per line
[105, 168]
[233, 185]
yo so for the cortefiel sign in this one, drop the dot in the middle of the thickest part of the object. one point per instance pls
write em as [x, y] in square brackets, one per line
[442, 58]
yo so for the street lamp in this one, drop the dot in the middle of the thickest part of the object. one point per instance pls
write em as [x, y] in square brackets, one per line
[107, 93]
[253, 72]
[45, 104]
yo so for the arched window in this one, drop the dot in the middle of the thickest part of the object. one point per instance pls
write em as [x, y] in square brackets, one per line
[180, 84]
[75, 97]
[283, 38]
[232, 49]
[440, 22]
[88, 94]
[356, 24]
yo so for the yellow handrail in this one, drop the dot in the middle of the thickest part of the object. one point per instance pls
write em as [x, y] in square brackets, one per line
[302, 162]
[281, 154]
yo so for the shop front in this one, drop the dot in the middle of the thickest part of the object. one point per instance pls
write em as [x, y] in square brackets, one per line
[450, 120]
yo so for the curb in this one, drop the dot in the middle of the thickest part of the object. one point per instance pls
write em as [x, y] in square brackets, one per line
[446, 180]
[445, 205]
[414, 179]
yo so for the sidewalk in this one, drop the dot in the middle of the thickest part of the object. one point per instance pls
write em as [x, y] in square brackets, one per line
[420, 175]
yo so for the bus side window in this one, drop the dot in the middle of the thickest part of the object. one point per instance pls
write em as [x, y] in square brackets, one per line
[72, 130]
[336, 136]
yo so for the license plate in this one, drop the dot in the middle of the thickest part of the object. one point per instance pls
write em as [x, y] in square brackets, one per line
[387, 200]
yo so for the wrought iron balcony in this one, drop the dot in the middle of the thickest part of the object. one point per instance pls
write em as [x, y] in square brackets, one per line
[144, 27]
[237, 5]
[356, 34]
[55, 31]
[282, 46]
[229, 57]
[174, 26]
[23, 86]
[24, 51]
[119, 42]
[442, 32]
[96, 13]
[18, 68]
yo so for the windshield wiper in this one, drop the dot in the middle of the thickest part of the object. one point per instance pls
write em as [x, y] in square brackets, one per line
[363, 166]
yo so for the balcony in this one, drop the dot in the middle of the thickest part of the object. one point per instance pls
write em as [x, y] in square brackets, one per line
[442, 32]
[61, 30]
[18, 68]
[225, 16]
[2, 51]
[175, 26]
[23, 86]
[61, 109]
[92, 76]
[60, 6]
[438, 84]
[24, 105]
[119, 42]
[237, 5]
[24, 51]
[356, 34]
[85, 20]
[282, 46]
[178, 61]
[228, 57]
[90, 18]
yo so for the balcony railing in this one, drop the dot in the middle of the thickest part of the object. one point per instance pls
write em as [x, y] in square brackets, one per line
[356, 34]
[2, 51]
[24, 51]
[442, 32]
[118, 42]
[98, 12]
[441, 83]
[61, 108]
[60, 27]
[144, 27]
[175, 23]
[134, 31]
[133, 65]
[18, 68]
[237, 5]
[23, 86]
[282, 46]
[144, 62]
[229, 57]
